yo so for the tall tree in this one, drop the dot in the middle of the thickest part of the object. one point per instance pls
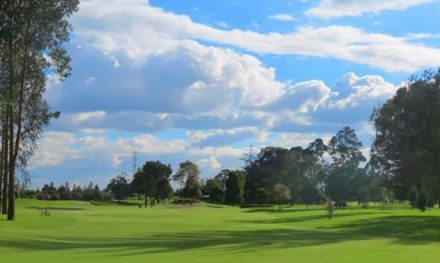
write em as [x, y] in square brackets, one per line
[406, 149]
[345, 150]
[32, 37]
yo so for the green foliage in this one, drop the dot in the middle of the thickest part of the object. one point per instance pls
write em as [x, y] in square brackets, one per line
[119, 187]
[406, 150]
[215, 189]
[192, 188]
[235, 187]
[186, 169]
[153, 181]
[280, 194]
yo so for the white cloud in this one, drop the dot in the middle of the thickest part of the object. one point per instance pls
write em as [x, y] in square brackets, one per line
[55, 148]
[339, 8]
[362, 88]
[139, 30]
[210, 162]
[282, 17]
[303, 96]
[86, 116]
[292, 139]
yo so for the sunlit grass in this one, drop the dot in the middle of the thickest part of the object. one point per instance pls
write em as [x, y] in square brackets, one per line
[112, 233]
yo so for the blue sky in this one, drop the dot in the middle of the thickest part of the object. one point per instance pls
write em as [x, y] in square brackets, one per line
[205, 80]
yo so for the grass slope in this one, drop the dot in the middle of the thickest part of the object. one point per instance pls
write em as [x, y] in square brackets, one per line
[205, 234]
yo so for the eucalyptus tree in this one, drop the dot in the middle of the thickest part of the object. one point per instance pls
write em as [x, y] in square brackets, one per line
[344, 172]
[406, 149]
[33, 34]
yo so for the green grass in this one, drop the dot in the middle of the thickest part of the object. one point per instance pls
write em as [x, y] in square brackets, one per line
[111, 233]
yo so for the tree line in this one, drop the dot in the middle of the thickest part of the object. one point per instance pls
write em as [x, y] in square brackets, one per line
[404, 163]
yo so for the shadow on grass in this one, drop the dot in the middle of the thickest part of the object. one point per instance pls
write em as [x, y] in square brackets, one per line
[231, 240]
[297, 219]
[401, 229]
[404, 229]
[281, 211]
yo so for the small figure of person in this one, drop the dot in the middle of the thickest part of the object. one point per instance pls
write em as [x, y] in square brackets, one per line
[330, 206]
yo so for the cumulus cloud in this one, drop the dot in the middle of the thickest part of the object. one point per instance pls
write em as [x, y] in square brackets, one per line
[361, 89]
[138, 30]
[339, 8]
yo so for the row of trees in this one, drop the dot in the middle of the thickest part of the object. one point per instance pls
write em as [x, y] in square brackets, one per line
[302, 175]
[89, 192]
[312, 174]
[32, 37]
[152, 182]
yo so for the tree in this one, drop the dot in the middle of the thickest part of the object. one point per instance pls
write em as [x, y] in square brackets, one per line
[272, 165]
[235, 187]
[280, 194]
[32, 42]
[345, 150]
[215, 188]
[406, 149]
[310, 194]
[119, 187]
[192, 188]
[186, 169]
[152, 181]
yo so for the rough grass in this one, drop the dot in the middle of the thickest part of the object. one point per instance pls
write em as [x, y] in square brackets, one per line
[207, 234]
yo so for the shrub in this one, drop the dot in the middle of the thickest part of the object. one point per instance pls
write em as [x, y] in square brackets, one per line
[76, 195]
[42, 196]
[65, 196]
[54, 197]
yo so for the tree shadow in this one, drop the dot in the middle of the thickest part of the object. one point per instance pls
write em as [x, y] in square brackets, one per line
[280, 211]
[413, 230]
[297, 219]
[404, 229]
[227, 241]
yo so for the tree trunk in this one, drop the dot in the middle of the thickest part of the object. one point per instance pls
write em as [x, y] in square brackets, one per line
[1, 173]
[5, 165]
[11, 168]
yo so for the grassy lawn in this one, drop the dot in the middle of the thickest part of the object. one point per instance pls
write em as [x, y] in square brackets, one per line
[111, 233]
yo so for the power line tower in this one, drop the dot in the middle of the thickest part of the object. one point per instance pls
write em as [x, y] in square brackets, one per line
[134, 162]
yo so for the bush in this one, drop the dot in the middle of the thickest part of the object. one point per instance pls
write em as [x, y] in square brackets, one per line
[65, 196]
[55, 197]
[42, 196]
[30, 194]
[76, 195]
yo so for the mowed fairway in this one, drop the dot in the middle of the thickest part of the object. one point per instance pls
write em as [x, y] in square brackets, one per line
[208, 234]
